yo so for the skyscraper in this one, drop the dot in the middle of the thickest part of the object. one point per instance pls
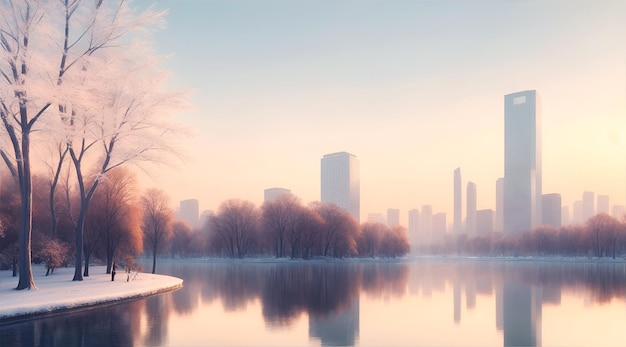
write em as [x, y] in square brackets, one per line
[470, 219]
[273, 193]
[393, 217]
[589, 205]
[341, 182]
[426, 229]
[551, 210]
[484, 222]
[522, 161]
[414, 228]
[458, 203]
[189, 212]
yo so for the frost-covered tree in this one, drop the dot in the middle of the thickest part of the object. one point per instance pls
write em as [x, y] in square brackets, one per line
[74, 71]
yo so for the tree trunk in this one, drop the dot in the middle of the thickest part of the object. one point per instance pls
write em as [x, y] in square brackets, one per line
[86, 272]
[14, 266]
[26, 280]
[78, 265]
[153, 262]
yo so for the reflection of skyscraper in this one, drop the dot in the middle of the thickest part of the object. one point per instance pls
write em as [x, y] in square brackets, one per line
[458, 203]
[189, 212]
[522, 161]
[470, 221]
[341, 182]
[339, 328]
[521, 314]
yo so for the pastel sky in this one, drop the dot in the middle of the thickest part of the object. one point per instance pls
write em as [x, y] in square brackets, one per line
[413, 88]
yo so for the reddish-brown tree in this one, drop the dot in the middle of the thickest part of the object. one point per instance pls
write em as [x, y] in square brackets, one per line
[236, 226]
[280, 224]
[157, 220]
[371, 235]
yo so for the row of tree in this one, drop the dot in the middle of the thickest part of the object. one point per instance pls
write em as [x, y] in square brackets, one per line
[601, 236]
[284, 227]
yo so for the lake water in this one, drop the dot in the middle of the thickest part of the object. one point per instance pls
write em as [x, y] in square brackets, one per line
[405, 303]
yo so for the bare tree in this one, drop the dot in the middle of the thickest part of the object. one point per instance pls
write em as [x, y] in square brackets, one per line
[114, 217]
[236, 226]
[604, 229]
[280, 223]
[339, 230]
[157, 220]
[371, 235]
[56, 71]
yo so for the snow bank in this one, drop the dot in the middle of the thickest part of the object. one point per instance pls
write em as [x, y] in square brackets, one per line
[58, 293]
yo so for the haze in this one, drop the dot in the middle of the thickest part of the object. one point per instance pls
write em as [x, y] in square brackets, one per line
[413, 88]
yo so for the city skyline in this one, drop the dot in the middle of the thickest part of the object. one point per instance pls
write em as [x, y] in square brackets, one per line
[414, 90]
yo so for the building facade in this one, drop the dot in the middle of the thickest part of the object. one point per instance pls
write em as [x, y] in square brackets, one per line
[272, 193]
[458, 202]
[340, 182]
[189, 211]
[551, 210]
[470, 219]
[522, 162]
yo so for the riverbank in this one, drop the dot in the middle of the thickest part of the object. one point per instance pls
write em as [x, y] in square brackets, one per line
[57, 293]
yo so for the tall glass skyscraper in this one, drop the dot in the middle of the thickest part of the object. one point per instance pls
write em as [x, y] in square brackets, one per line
[522, 161]
[341, 182]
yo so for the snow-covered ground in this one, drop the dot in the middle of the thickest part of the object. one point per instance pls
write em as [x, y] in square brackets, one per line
[58, 292]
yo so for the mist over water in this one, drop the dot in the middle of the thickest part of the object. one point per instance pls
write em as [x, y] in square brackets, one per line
[416, 303]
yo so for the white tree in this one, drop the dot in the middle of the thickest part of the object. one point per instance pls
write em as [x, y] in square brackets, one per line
[75, 70]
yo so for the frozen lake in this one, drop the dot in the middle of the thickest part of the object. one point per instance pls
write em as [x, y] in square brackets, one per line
[408, 303]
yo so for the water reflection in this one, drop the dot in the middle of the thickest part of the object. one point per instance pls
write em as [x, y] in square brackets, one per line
[331, 297]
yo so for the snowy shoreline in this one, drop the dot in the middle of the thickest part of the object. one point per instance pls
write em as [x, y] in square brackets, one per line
[57, 293]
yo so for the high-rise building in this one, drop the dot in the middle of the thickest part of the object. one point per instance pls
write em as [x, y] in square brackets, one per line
[470, 221]
[565, 218]
[340, 182]
[458, 202]
[393, 217]
[577, 212]
[617, 211]
[484, 222]
[376, 218]
[589, 205]
[189, 212]
[499, 224]
[273, 193]
[603, 204]
[551, 210]
[427, 224]
[522, 161]
[439, 227]
[414, 227]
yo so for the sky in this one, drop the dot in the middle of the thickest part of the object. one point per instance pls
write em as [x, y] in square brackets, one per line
[414, 89]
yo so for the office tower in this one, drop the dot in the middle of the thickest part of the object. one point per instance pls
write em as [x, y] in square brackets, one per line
[470, 221]
[205, 217]
[393, 217]
[603, 204]
[427, 224]
[273, 193]
[589, 205]
[376, 218]
[522, 161]
[577, 213]
[458, 202]
[414, 227]
[499, 224]
[551, 210]
[340, 182]
[565, 218]
[484, 222]
[618, 212]
[439, 227]
[189, 212]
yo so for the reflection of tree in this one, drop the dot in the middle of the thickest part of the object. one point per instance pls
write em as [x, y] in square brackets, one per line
[385, 279]
[318, 289]
[108, 326]
[157, 311]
